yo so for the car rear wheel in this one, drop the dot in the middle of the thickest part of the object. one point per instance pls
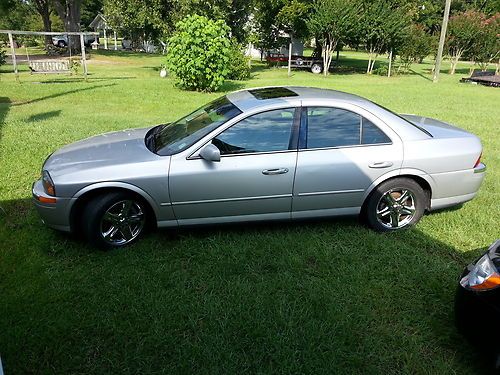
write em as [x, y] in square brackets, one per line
[114, 220]
[316, 68]
[395, 204]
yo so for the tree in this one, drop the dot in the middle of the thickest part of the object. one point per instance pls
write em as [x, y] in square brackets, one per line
[42, 7]
[271, 17]
[199, 53]
[235, 13]
[332, 22]
[69, 13]
[140, 20]
[462, 33]
[416, 45]
[382, 28]
[486, 46]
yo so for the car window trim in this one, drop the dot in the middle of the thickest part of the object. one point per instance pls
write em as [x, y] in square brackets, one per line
[304, 127]
[295, 128]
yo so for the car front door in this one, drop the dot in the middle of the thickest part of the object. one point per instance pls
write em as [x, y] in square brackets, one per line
[341, 153]
[253, 179]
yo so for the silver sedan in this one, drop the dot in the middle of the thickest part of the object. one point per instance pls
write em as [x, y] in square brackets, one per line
[276, 153]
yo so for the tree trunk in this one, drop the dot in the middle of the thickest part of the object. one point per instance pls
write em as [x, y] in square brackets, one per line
[328, 48]
[454, 61]
[390, 64]
[69, 13]
[42, 7]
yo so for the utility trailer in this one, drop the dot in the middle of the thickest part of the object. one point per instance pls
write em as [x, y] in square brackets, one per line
[314, 63]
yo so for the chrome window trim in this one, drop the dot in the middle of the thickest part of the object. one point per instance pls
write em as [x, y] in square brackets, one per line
[361, 117]
[340, 147]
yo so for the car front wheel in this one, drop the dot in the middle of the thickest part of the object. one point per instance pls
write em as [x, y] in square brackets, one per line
[114, 220]
[396, 204]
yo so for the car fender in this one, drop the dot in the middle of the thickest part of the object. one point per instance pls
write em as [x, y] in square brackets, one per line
[400, 172]
[120, 185]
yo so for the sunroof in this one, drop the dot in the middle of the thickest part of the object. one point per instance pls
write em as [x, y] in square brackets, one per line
[272, 93]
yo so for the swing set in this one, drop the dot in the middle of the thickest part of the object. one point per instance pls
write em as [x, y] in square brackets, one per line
[48, 66]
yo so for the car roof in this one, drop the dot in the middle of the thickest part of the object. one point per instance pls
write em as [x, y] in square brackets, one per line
[250, 98]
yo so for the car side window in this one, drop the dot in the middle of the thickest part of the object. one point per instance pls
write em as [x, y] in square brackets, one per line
[332, 127]
[336, 127]
[371, 134]
[262, 132]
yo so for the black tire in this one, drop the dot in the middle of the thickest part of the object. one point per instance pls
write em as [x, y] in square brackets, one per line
[123, 210]
[316, 68]
[389, 205]
[61, 44]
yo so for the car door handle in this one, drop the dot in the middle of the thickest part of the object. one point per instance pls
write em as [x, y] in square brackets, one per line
[274, 171]
[381, 164]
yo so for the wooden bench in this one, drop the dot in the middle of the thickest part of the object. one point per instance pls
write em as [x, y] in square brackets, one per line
[49, 66]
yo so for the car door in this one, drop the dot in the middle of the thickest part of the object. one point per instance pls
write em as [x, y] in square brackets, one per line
[253, 179]
[342, 151]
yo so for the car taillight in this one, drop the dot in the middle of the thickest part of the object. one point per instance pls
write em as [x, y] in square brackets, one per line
[478, 160]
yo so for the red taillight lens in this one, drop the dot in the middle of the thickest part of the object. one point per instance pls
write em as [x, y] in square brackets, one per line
[478, 160]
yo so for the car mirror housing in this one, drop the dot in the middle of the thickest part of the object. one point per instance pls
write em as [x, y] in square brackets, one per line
[210, 153]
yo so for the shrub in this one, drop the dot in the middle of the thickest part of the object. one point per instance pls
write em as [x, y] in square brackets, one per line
[199, 53]
[238, 63]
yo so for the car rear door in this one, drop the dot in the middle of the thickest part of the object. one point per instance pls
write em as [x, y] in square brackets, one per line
[252, 181]
[343, 149]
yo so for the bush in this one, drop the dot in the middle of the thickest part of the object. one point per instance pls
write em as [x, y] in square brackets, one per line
[199, 53]
[238, 63]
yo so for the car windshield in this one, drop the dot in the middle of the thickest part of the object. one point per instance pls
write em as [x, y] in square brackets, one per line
[179, 135]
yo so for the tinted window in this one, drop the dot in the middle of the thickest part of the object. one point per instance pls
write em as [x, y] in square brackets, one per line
[263, 132]
[332, 127]
[371, 134]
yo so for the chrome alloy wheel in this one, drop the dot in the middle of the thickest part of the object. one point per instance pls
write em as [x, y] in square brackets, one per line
[396, 208]
[122, 222]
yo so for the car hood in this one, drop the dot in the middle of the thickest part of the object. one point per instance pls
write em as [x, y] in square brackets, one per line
[436, 128]
[116, 148]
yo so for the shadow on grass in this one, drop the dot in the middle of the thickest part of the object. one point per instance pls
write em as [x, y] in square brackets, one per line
[63, 93]
[313, 297]
[44, 116]
[81, 79]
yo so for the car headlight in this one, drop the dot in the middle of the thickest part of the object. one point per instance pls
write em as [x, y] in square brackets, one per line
[484, 275]
[48, 184]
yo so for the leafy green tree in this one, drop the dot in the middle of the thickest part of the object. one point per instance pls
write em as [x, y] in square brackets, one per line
[333, 22]
[271, 17]
[416, 45]
[235, 13]
[382, 28]
[486, 46]
[463, 30]
[140, 20]
[199, 53]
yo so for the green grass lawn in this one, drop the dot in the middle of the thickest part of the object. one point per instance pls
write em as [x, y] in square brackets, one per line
[316, 297]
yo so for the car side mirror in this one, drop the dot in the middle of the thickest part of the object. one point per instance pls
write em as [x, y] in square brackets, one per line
[210, 153]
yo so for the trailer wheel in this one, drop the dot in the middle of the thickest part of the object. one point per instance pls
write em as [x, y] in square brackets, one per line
[316, 68]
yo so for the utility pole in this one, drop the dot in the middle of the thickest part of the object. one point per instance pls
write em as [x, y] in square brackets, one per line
[442, 38]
